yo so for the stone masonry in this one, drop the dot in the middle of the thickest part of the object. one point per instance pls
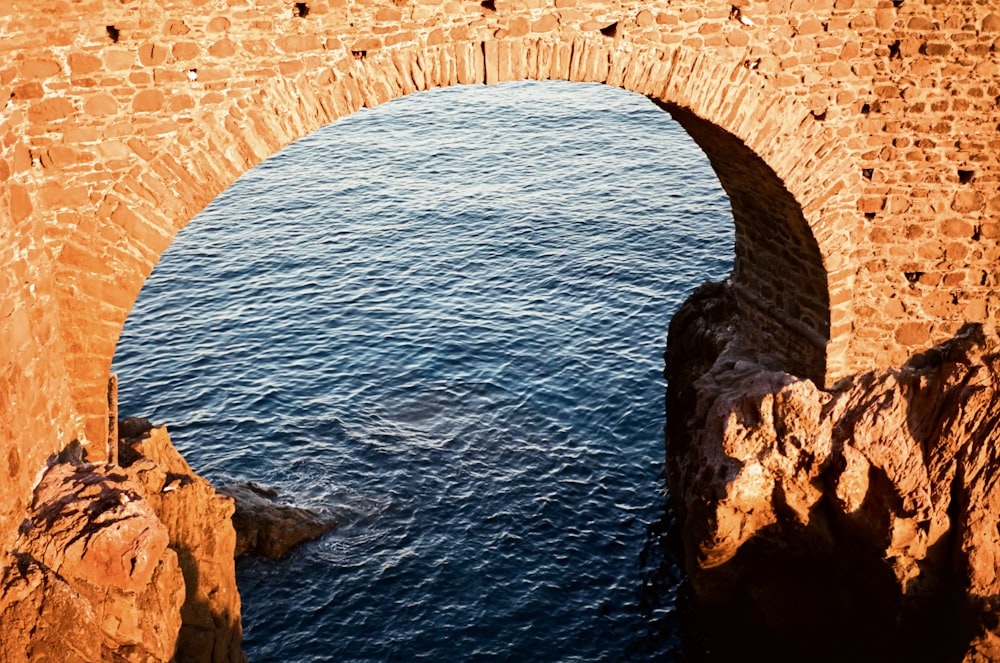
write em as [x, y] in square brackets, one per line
[857, 140]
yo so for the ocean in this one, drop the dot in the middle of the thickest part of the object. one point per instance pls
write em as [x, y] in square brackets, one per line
[443, 320]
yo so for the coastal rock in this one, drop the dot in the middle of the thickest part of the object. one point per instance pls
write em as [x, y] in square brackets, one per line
[122, 563]
[270, 529]
[857, 522]
[91, 577]
[198, 521]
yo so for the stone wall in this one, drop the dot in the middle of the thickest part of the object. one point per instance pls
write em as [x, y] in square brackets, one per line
[857, 140]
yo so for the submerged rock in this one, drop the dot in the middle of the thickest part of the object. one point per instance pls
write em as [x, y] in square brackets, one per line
[856, 523]
[270, 529]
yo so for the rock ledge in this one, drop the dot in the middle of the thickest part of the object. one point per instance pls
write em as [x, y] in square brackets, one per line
[123, 563]
[858, 523]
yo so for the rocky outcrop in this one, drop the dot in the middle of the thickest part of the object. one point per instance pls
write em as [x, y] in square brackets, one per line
[199, 523]
[122, 563]
[858, 523]
[92, 577]
[268, 528]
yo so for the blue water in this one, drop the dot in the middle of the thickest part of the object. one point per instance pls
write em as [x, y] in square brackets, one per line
[443, 319]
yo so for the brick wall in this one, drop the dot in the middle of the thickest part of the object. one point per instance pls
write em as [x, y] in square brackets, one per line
[856, 138]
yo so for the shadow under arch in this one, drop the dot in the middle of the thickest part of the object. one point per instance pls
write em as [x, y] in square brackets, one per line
[778, 277]
[782, 179]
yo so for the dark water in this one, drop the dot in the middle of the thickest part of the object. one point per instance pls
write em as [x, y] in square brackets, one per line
[443, 319]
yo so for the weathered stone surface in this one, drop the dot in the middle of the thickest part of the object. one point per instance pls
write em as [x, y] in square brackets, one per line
[91, 573]
[270, 529]
[131, 563]
[41, 613]
[198, 521]
[857, 141]
[854, 134]
[867, 511]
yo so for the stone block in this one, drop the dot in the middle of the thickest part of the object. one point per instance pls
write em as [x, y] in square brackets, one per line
[19, 202]
[737, 38]
[151, 55]
[913, 334]
[116, 60]
[50, 110]
[546, 23]
[148, 101]
[83, 63]
[28, 91]
[100, 104]
[40, 68]
[968, 201]
[809, 26]
[185, 50]
[176, 27]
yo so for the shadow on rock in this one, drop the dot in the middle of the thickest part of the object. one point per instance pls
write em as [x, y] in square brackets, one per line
[268, 528]
[199, 521]
[855, 523]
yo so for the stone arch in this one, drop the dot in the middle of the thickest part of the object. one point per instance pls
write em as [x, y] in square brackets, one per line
[778, 173]
[122, 169]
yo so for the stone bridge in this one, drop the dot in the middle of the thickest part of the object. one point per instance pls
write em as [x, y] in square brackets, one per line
[857, 140]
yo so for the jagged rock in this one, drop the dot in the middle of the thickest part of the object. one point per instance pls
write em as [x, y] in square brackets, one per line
[270, 529]
[856, 523]
[41, 613]
[133, 429]
[91, 575]
[198, 521]
[122, 563]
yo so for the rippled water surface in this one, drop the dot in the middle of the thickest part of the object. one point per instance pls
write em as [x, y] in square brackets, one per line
[443, 319]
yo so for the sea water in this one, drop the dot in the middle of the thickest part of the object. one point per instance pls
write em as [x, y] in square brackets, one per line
[442, 320]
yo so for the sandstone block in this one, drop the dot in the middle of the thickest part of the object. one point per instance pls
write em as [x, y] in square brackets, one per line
[20, 202]
[50, 110]
[40, 68]
[185, 50]
[967, 201]
[388, 14]
[737, 38]
[223, 48]
[218, 24]
[913, 334]
[83, 63]
[118, 60]
[546, 23]
[151, 55]
[148, 101]
[176, 27]
[100, 104]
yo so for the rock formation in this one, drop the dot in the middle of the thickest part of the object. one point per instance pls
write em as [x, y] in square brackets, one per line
[92, 577]
[123, 563]
[269, 529]
[199, 521]
[856, 523]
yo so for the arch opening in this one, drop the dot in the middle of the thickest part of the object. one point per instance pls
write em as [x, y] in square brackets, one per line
[784, 323]
[611, 250]
[101, 257]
